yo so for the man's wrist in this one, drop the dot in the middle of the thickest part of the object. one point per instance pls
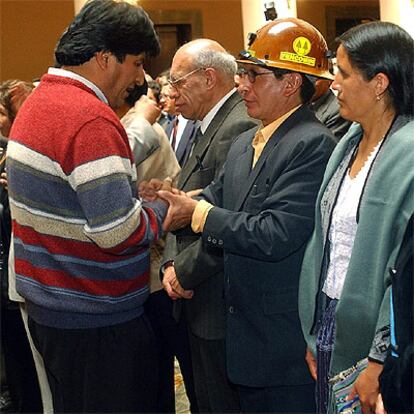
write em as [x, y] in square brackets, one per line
[166, 265]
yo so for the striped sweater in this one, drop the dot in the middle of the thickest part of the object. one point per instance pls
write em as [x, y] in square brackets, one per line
[81, 236]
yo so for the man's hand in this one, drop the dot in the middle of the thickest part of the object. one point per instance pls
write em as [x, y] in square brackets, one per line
[3, 180]
[19, 94]
[148, 189]
[172, 285]
[194, 193]
[180, 211]
[367, 387]
[311, 361]
[147, 108]
[379, 407]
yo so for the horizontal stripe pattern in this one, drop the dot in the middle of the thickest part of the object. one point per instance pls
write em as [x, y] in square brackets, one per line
[127, 269]
[66, 282]
[81, 235]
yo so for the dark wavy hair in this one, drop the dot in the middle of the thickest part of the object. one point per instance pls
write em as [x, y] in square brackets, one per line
[5, 94]
[107, 25]
[381, 47]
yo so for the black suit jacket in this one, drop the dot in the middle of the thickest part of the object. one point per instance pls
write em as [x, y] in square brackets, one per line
[263, 219]
[200, 267]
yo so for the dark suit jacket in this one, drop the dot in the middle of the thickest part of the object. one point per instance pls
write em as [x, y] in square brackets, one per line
[200, 267]
[262, 221]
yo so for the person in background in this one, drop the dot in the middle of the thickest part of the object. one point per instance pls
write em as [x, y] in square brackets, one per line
[81, 234]
[22, 381]
[362, 211]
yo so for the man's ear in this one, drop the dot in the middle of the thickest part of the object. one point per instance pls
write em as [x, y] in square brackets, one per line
[211, 77]
[293, 83]
[102, 59]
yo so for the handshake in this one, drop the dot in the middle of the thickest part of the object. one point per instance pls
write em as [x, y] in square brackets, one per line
[180, 204]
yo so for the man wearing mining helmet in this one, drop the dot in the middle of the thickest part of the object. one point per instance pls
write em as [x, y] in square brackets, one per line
[260, 211]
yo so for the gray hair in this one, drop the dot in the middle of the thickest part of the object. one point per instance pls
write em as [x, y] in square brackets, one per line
[224, 62]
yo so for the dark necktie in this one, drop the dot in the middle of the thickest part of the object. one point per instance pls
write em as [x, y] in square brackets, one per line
[174, 133]
[198, 135]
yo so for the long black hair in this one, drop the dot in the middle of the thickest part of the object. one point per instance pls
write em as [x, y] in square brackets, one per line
[381, 47]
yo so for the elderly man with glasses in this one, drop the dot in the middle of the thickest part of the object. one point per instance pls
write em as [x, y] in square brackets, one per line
[202, 86]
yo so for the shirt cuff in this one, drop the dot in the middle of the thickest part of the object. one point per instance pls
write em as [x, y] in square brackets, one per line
[380, 345]
[200, 216]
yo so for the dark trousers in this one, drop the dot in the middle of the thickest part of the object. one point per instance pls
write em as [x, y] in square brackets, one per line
[215, 394]
[172, 338]
[20, 370]
[284, 399]
[109, 369]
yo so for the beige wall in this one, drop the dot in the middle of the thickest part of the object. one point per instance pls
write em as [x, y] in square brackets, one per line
[400, 12]
[313, 11]
[221, 20]
[29, 30]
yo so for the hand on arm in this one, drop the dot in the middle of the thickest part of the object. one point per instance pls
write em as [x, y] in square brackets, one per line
[180, 211]
[194, 193]
[148, 189]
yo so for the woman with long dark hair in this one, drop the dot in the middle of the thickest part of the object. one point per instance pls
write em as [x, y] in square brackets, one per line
[363, 207]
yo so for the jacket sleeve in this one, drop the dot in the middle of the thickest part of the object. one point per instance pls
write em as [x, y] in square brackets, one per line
[286, 209]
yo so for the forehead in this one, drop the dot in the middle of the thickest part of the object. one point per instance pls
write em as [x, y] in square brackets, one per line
[133, 58]
[181, 63]
[342, 57]
[250, 66]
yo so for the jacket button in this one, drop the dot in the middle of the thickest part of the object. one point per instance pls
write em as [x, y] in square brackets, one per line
[231, 309]
[214, 241]
[220, 242]
[209, 238]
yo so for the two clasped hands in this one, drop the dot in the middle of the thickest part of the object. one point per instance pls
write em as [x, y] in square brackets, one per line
[180, 211]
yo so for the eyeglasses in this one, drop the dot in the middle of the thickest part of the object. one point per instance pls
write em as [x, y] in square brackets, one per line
[175, 83]
[251, 74]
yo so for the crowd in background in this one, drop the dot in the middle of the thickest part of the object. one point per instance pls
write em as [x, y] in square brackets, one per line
[250, 217]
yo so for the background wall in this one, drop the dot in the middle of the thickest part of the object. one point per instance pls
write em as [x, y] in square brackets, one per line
[221, 19]
[321, 13]
[29, 30]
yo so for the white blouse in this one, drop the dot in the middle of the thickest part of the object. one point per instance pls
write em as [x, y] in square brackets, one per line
[343, 228]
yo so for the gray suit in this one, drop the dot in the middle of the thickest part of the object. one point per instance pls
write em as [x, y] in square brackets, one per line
[197, 266]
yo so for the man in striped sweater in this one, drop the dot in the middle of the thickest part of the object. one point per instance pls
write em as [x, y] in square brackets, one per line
[81, 235]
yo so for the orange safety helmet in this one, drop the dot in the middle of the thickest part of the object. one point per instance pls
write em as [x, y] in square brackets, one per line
[291, 44]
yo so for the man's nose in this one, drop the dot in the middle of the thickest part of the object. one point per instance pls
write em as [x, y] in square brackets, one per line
[139, 80]
[244, 85]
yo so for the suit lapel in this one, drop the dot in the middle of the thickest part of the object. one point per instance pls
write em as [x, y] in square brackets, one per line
[202, 146]
[274, 140]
